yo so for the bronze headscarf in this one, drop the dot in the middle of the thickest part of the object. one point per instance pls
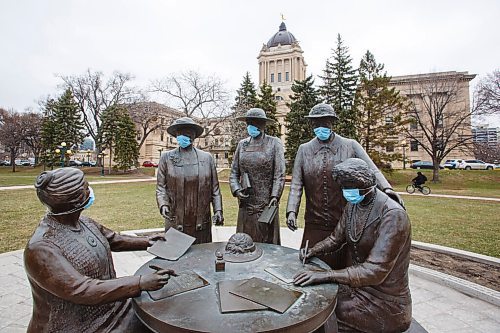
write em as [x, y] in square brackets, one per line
[62, 190]
[354, 171]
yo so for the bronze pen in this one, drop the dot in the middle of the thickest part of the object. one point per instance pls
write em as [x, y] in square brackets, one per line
[305, 253]
[158, 268]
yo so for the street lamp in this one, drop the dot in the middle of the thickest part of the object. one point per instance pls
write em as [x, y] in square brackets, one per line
[62, 149]
[403, 146]
[88, 152]
[101, 156]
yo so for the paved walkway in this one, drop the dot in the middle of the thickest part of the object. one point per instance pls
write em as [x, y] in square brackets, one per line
[437, 308]
[149, 179]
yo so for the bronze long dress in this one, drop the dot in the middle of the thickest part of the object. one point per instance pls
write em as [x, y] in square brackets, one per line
[374, 294]
[312, 173]
[264, 161]
[187, 183]
[73, 280]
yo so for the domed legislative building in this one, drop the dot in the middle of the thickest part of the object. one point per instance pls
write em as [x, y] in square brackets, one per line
[281, 62]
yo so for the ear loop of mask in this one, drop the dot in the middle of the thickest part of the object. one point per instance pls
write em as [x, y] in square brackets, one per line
[69, 211]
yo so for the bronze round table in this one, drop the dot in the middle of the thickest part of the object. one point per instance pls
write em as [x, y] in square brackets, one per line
[198, 310]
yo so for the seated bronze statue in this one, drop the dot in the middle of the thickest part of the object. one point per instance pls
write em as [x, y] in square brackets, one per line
[374, 295]
[70, 268]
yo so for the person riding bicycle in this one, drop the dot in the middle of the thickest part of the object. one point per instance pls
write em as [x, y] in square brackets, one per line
[419, 180]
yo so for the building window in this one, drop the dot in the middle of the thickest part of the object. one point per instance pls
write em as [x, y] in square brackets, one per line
[413, 123]
[216, 142]
[272, 77]
[226, 155]
[389, 147]
[414, 146]
[279, 77]
[388, 120]
[287, 76]
[161, 136]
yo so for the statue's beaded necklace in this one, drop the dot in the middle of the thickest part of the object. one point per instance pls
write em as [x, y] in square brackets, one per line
[351, 228]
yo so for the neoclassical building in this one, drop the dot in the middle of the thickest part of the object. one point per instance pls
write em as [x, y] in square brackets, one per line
[423, 90]
[281, 62]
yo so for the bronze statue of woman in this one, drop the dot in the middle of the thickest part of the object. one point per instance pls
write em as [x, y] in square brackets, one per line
[70, 268]
[187, 184]
[311, 174]
[257, 178]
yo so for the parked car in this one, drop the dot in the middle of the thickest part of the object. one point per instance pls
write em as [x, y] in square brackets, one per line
[22, 162]
[476, 165]
[89, 163]
[424, 165]
[149, 164]
[452, 164]
[75, 163]
[4, 163]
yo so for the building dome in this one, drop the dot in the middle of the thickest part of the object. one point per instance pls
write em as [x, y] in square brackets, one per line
[282, 37]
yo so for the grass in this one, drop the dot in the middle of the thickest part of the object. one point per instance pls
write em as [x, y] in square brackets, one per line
[464, 224]
[27, 175]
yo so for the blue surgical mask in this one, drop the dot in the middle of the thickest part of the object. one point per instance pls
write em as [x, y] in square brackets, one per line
[253, 131]
[91, 200]
[183, 141]
[352, 194]
[323, 133]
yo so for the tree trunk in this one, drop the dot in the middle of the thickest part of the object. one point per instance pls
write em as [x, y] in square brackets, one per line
[110, 159]
[435, 172]
[13, 160]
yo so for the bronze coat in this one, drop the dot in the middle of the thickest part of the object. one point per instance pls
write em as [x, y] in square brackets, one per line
[174, 191]
[312, 173]
[264, 163]
[375, 296]
[73, 280]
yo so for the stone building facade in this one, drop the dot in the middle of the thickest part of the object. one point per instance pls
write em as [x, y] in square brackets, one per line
[414, 87]
[281, 62]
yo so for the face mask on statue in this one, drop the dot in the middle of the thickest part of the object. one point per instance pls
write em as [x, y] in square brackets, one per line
[91, 200]
[352, 194]
[183, 141]
[323, 133]
[253, 131]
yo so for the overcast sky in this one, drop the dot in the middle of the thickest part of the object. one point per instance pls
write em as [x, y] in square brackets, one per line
[152, 38]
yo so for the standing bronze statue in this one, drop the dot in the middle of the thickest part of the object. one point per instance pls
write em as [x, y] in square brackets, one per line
[70, 268]
[313, 163]
[187, 183]
[257, 178]
[374, 294]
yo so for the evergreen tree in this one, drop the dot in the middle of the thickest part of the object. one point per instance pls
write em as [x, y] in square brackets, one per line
[299, 130]
[48, 132]
[380, 111]
[61, 123]
[339, 88]
[246, 98]
[126, 148]
[267, 102]
[117, 134]
[67, 120]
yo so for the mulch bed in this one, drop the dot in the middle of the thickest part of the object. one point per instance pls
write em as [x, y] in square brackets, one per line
[480, 273]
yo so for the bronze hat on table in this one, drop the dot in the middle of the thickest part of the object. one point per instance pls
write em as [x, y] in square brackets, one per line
[183, 123]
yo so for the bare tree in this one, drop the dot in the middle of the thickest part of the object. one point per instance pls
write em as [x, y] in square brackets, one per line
[11, 133]
[487, 95]
[151, 116]
[202, 98]
[441, 115]
[32, 124]
[487, 153]
[94, 94]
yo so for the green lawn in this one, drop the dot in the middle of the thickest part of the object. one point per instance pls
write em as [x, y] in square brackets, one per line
[27, 175]
[465, 224]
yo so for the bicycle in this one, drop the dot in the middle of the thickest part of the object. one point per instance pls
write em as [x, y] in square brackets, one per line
[425, 190]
